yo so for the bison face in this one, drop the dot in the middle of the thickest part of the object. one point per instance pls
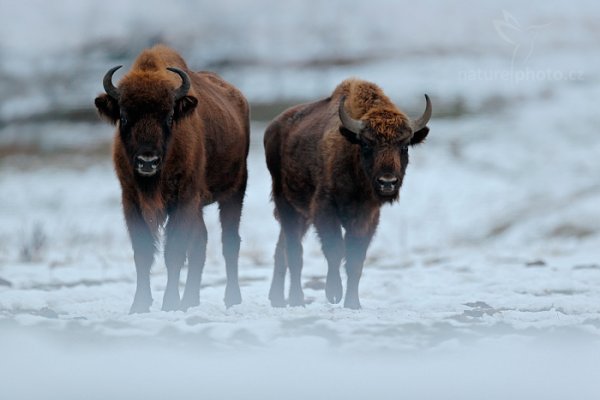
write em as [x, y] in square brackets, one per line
[385, 165]
[145, 141]
[145, 109]
[384, 138]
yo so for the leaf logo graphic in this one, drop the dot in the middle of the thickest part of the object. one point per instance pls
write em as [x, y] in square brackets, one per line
[522, 39]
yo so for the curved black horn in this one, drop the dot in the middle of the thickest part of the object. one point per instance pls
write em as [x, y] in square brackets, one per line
[185, 83]
[353, 125]
[109, 88]
[422, 121]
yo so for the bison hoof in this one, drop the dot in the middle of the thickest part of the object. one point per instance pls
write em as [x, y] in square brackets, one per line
[170, 307]
[233, 296]
[276, 295]
[189, 302]
[278, 301]
[140, 307]
[141, 303]
[171, 303]
[296, 299]
[352, 303]
[297, 303]
[334, 290]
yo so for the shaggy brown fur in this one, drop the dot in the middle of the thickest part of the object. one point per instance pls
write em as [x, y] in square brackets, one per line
[202, 151]
[328, 176]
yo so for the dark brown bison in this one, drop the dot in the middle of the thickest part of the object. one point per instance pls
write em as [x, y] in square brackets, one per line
[334, 163]
[181, 143]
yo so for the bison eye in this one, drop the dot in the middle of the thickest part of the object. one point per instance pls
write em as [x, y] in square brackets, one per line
[366, 144]
[170, 120]
[123, 120]
[366, 149]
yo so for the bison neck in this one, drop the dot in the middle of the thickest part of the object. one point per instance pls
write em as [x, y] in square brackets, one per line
[147, 185]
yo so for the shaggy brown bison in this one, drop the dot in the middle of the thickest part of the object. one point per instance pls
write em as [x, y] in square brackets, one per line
[334, 163]
[181, 143]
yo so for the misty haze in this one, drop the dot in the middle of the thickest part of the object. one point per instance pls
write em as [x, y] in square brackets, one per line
[481, 282]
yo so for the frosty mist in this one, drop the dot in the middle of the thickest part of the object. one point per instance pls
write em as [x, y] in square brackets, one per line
[483, 280]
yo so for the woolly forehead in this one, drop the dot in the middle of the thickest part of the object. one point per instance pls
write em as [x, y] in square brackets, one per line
[147, 93]
[388, 124]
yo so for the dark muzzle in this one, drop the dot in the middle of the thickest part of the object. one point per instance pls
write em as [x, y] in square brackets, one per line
[147, 165]
[387, 184]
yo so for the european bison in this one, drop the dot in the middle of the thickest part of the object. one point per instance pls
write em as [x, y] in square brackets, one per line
[334, 163]
[181, 143]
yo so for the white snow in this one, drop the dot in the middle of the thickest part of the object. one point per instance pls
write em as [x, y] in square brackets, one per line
[483, 282]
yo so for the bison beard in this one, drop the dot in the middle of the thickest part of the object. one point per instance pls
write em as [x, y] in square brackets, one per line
[168, 120]
[334, 163]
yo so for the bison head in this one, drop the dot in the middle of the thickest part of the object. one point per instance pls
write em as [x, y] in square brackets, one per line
[145, 106]
[384, 136]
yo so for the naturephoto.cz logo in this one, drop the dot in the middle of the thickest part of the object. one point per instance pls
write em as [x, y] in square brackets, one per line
[522, 41]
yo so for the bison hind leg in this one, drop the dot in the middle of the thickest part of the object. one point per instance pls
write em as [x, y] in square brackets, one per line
[196, 261]
[276, 293]
[294, 226]
[329, 230]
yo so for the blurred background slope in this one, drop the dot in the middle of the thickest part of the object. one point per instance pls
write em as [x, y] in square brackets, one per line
[53, 55]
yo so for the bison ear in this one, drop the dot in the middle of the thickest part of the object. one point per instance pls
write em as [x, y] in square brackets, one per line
[108, 108]
[350, 136]
[184, 107]
[419, 136]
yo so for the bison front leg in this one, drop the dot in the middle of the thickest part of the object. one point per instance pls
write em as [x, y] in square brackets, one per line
[143, 244]
[178, 233]
[196, 261]
[356, 251]
[330, 232]
[230, 212]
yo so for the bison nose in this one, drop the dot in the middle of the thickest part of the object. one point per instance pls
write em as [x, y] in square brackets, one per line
[147, 165]
[387, 180]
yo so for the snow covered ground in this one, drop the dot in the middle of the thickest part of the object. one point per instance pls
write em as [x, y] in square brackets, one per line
[483, 282]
